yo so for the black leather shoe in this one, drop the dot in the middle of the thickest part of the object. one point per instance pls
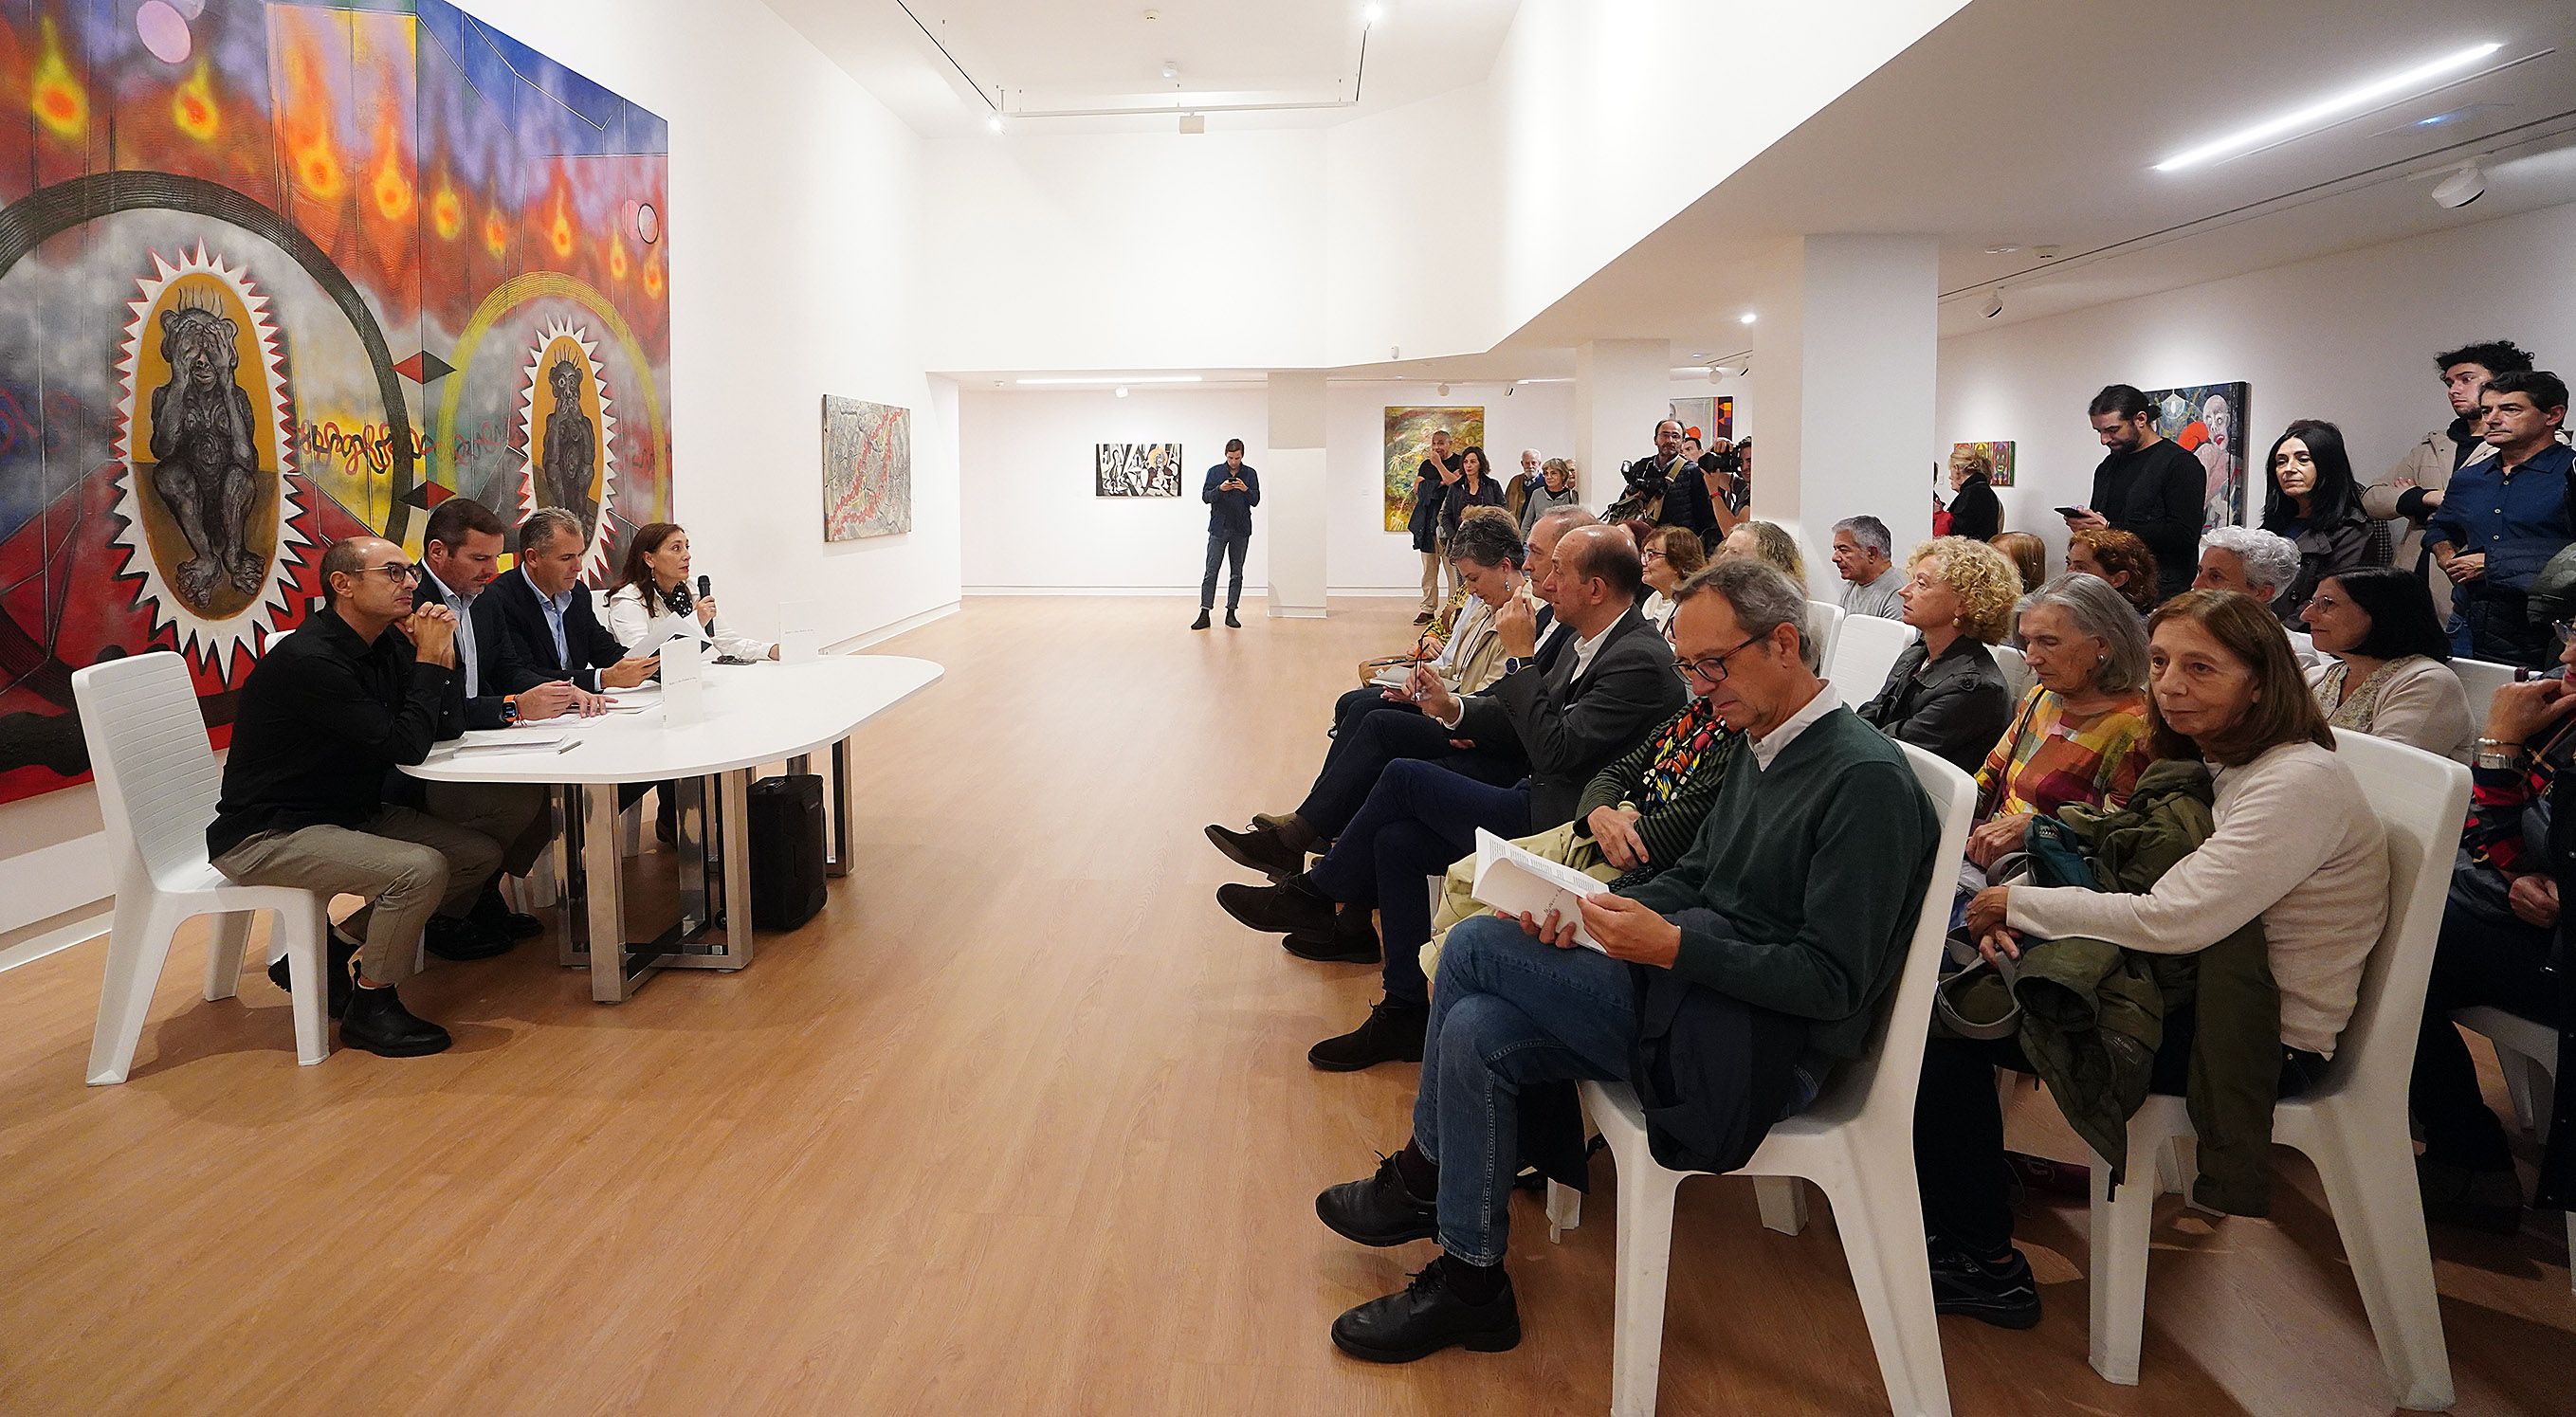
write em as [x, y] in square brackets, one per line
[1352, 940]
[1200, 623]
[1393, 1034]
[1283, 909]
[1260, 849]
[1426, 1318]
[494, 914]
[336, 956]
[1378, 1211]
[1232, 623]
[466, 939]
[378, 1022]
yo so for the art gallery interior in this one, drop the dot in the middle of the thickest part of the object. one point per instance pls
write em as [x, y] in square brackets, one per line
[928, 319]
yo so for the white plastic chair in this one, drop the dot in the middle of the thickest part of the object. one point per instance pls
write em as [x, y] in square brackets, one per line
[2528, 1053]
[1856, 1141]
[2482, 678]
[157, 786]
[2016, 668]
[1866, 648]
[1824, 626]
[2352, 1124]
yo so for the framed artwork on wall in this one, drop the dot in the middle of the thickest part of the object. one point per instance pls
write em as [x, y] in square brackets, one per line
[1996, 456]
[1707, 419]
[1408, 444]
[1136, 470]
[867, 469]
[2208, 422]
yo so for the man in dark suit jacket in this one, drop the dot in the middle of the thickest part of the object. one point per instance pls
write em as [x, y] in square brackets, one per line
[1610, 687]
[536, 625]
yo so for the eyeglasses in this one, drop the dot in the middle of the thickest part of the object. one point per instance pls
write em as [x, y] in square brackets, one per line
[1712, 669]
[395, 571]
[1651, 555]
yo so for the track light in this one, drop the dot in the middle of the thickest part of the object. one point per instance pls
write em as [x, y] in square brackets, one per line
[1444, 391]
[1994, 305]
[2461, 187]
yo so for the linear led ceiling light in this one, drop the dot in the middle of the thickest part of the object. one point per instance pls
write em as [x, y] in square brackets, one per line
[2387, 87]
[1133, 379]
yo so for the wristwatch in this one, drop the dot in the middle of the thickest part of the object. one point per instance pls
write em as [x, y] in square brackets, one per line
[2497, 753]
[509, 709]
[1513, 664]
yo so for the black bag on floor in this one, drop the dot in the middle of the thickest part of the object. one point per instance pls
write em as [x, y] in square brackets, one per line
[786, 850]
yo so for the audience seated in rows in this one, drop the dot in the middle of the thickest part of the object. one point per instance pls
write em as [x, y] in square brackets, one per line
[1771, 544]
[2247, 561]
[2313, 502]
[2027, 552]
[2503, 517]
[1488, 557]
[1672, 555]
[2117, 557]
[1761, 957]
[1564, 722]
[1946, 694]
[2386, 665]
[2079, 737]
[1863, 557]
[2293, 874]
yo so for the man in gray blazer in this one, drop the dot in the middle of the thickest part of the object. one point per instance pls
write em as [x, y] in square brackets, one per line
[1606, 691]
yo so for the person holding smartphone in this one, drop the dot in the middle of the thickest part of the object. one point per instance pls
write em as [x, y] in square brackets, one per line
[2146, 485]
[1232, 491]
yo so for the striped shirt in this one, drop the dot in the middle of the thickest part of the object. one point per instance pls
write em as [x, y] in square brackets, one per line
[2046, 760]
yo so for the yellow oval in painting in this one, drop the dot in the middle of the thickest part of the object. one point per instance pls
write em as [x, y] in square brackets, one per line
[203, 443]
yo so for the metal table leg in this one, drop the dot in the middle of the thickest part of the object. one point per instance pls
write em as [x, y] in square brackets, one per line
[839, 863]
[736, 811]
[605, 887]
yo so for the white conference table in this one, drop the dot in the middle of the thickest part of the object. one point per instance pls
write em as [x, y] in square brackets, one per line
[754, 714]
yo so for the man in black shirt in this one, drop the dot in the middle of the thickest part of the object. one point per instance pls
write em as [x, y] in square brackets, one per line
[1431, 483]
[360, 688]
[2148, 487]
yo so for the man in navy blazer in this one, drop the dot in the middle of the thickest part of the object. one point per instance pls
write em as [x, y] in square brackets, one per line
[535, 625]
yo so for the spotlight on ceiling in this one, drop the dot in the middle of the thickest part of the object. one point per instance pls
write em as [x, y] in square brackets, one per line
[1171, 72]
[994, 122]
[1193, 122]
[2461, 187]
[1716, 372]
[1122, 391]
[1748, 317]
[1994, 305]
[1374, 14]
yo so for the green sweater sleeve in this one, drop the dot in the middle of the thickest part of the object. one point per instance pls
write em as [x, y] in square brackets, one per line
[1849, 917]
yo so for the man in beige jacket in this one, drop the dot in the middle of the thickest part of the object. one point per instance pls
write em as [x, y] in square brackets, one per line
[2412, 491]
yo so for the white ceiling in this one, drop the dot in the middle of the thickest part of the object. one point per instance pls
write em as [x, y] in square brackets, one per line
[1030, 56]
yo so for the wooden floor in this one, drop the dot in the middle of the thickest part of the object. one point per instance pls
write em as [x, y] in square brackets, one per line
[1020, 1123]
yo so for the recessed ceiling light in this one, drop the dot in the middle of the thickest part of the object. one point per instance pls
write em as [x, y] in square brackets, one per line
[1122, 391]
[1115, 379]
[1373, 14]
[2001, 250]
[994, 122]
[1748, 317]
[2386, 86]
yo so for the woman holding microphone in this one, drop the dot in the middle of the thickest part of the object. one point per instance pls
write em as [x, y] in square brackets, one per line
[654, 600]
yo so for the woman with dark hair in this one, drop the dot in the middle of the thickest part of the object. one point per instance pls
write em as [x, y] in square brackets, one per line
[2387, 671]
[2313, 501]
[2296, 846]
[2119, 557]
[654, 601]
[1672, 555]
[1475, 487]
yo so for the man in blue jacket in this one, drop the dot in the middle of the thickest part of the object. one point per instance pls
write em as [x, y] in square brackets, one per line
[1232, 491]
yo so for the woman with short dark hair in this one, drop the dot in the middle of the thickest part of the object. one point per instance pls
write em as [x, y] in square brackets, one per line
[2388, 670]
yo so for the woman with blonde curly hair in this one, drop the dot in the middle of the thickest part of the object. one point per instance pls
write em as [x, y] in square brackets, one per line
[1767, 541]
[1946, 694]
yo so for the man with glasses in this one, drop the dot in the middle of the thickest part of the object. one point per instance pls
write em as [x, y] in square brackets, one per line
[1602, 695]
[360, 689]
[1726, 987]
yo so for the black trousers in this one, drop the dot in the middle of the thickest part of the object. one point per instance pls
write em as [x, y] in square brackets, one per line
[2479, 961]
[1368, 734]
[1224, 546]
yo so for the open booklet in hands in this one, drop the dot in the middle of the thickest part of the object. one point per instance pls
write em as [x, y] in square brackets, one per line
[1520, 882]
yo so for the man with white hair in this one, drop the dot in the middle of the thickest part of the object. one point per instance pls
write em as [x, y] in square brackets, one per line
[2246, 560]
[1864, 554]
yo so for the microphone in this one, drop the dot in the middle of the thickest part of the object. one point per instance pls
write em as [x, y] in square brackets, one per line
[706, 590]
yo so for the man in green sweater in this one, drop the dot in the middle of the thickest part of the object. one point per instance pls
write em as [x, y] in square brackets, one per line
[1780, 931]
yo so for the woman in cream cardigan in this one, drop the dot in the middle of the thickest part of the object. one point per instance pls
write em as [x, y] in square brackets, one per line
[2387, 669]
[654, 601]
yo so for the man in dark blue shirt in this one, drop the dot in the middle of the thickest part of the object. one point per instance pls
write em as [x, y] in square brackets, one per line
[1232, 491]
[2503, 517]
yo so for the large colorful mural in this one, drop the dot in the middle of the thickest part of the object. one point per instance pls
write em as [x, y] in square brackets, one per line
[274, 274]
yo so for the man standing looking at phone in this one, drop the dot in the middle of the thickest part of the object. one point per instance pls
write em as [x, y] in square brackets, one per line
[1232, 491]
[2147, 486]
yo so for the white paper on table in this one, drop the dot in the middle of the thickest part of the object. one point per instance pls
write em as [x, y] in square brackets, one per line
[683, 684]
[626, 706]
[1517, 881]
[509, 740]
[800, 636]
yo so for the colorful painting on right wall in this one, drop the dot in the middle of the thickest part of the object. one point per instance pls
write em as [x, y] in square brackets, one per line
[2208, 422]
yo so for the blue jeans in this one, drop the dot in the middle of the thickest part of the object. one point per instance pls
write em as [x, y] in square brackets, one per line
[1419, 819]
[1510, 1013]
[1224, 547]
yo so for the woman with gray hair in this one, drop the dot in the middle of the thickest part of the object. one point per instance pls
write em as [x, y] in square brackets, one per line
[2079, 737]
[2251, 562]
[1554, 489]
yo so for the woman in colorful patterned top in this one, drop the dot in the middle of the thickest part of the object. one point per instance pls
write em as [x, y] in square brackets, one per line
[2080, 735]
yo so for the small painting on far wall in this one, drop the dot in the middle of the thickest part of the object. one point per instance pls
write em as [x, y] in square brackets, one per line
[2208, 422]
[1136, 470]
[1408, 445]
[1997, 458]
[1707, 419]
[867, 469]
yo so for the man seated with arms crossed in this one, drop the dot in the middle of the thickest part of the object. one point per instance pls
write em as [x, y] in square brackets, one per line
[1766, 952]
[460, 555]
[358, 690]
[1598, 700]
[538, 626]
[1375, 726]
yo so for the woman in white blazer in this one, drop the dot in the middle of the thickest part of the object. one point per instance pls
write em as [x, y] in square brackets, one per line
[655, 599]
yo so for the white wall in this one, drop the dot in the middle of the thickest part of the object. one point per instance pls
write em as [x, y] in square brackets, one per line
[2348, 338]
[788, 281]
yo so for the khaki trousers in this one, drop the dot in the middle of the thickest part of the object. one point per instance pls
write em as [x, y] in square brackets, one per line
[1435, 566]
[518, 815]
[409, 865]
[1458, 892]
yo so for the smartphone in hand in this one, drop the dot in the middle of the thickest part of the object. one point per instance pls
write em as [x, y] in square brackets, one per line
[2070, 513]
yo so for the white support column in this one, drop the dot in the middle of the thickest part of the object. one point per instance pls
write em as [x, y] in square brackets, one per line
[1844, 363]
[1622, 388]
[1292, 495]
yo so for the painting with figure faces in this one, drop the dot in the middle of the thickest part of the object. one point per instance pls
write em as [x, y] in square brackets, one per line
[2208, 422]
[276, 273]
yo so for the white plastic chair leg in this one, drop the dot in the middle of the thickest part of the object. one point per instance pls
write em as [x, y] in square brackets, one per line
[2519, 1075]
[1783, 1202]
[1564, 1211]
[307, 931]
[1645, 1258]
[227, 936]
[1880, 1216]
[2369, 1177]
[138, 945]
[2119, 1280]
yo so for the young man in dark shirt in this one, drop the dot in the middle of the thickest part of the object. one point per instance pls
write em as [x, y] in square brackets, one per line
[1232, 491]
[2148, 486]
[358, 690]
